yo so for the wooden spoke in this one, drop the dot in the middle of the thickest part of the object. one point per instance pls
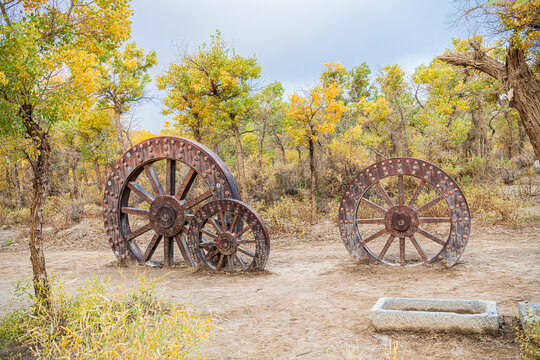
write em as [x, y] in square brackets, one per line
[386, 246]
[374, 236]
[419, 249]
[207, 244]
[170, 182]
[384, 194]
[402, 251]
[215, 225]
[134, 211]
[431, 220]
[206, 232]
[370, 221]
[139, 231]
[226, 222]
[222, 217]
[182, 247]
[247, 252]
[229, 261]
[239, 259]
[151, 247]
[238, 234]
[246, 241]
[198, 199]
[211, 254]
[428, 205]
[400, 190]
[220, 262]
[143, 194]
[431, 236]
[153, 178]
[186, 185]
[373, 205]
[168, 251]
[417, 192]
[233, 224]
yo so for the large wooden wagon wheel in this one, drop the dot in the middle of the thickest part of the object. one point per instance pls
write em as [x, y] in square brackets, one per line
[153, 192]
[227, 235]
[400, 202]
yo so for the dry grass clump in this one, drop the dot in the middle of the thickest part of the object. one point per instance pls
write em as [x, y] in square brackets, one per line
[492, 206]
[99, 323]
[528, 338]
[287, 215]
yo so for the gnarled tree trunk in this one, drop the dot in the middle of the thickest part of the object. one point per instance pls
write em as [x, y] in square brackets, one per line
[16, 185]
[40, 186]
[522, 88]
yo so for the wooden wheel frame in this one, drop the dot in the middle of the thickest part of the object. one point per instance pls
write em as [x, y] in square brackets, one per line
[402, 219]
[227, 235]
[169, 208]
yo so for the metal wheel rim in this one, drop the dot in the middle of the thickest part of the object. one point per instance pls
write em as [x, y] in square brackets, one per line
[202, 163]
[459, 219]
[242, 221]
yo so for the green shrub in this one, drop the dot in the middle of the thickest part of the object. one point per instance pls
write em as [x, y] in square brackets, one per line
[98, 323]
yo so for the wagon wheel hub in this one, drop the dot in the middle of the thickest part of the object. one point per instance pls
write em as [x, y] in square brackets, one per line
[166, 216]
[401, 221]
[226, 243]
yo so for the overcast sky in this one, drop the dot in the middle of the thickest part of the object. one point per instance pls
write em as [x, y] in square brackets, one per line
[292, 39]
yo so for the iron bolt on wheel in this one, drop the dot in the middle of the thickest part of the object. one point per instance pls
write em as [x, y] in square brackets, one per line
[227, 235]
[153, 192]
[404, 198]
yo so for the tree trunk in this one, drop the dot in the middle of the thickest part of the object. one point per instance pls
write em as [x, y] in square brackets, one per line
[523, 90]
[281, 147]
[404, 139]
[300, 163]
[196, 133]
[522, 137]
[75, 183]
[98, 174]
[240, 160]
[197, 128]
[312, 178]
[261, 143]
[119, 131]
[16, 185]
[40, 185]
[510, 124]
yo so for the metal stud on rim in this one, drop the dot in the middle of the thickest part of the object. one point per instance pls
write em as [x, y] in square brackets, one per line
[401, 218]
[227, 235]
[168, 205]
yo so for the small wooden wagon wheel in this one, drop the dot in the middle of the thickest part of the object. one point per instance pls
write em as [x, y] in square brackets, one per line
[227, 235]
[402, 198]
[153, 192]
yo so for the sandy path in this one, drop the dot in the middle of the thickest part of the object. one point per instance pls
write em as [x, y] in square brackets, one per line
[314, 302]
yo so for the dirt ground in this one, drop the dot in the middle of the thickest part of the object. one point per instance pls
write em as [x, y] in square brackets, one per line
[313, 302]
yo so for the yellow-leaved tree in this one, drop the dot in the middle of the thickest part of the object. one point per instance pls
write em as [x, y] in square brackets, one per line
[48, 61]
[315, 113]
[210, 91]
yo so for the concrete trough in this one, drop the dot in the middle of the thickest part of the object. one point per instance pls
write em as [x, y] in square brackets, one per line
[425, 315]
